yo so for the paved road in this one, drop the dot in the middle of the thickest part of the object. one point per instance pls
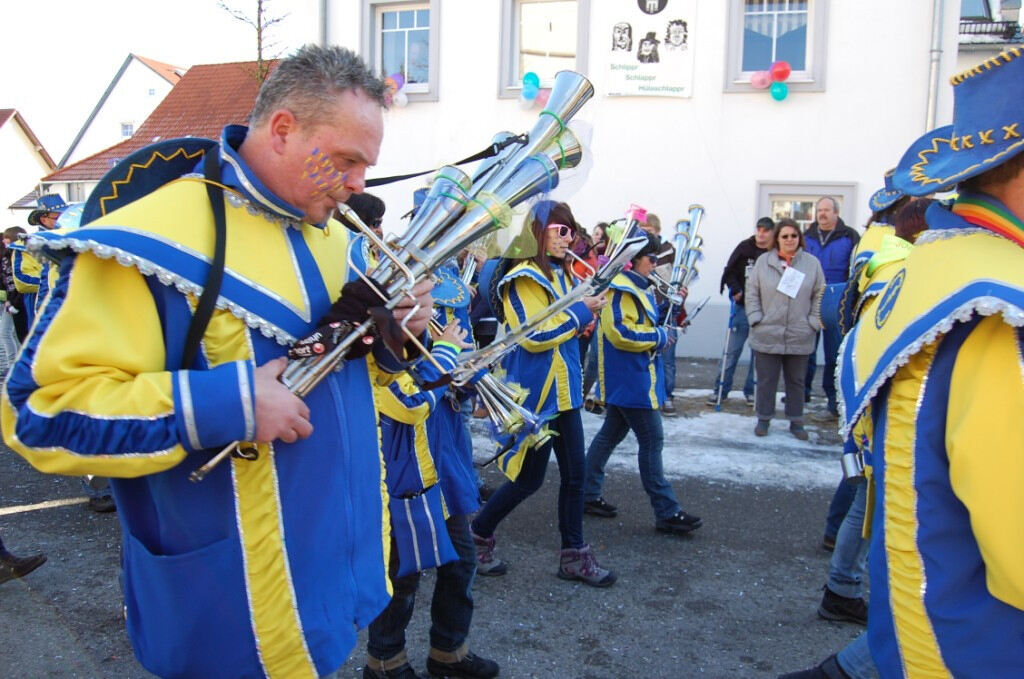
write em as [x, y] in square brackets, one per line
[735, 599]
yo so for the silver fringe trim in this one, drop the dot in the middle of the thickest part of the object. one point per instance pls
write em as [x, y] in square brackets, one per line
[168, 278]
[984, 306]
[934, 235]
[258, 211]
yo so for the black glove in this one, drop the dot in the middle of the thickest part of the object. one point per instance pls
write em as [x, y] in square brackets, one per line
[326, 337]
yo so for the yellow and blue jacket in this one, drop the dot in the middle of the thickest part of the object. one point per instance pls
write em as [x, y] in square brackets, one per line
[629, 343]
[267, 567]
[27, 271]
[548, 361]
[936, 365]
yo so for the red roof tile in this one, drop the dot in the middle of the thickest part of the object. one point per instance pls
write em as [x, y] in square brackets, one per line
[171, 74]
[207, 98]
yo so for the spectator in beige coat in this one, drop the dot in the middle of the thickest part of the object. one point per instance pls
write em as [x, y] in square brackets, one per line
[783, 303]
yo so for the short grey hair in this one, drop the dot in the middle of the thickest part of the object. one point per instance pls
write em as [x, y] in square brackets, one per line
[835, 203]
[307, 83]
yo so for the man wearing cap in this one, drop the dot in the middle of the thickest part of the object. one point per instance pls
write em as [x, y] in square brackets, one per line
[26, 268]
[937, 366]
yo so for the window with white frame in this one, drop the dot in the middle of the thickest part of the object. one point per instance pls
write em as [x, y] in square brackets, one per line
[762, 32]
[401, 37]
[543, 37]
[797, 201]
[127, 129]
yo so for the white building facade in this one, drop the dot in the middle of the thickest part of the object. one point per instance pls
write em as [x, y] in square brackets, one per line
[858, 96]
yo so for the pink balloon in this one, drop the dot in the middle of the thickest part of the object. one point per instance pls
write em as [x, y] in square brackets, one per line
[780, 70]
[761, 80]
[543, 96]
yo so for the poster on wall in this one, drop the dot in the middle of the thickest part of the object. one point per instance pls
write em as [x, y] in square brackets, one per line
[651, 48]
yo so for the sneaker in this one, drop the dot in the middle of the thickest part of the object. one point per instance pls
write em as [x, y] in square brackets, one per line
[601, 508]
[828, 669]
[396, 668]
[762, 428]
[668, 407]
[102, 505]
[713, 399]
[828, 543]
[843, 609]
[470, 666]
[581, 564]
[486, 562]
[798, 431]
[12, 567]
[679, 523]
[833, 407]
[749, 398]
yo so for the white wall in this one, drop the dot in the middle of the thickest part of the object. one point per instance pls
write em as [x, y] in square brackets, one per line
[20, 171]
[712, 148]
[129, 102]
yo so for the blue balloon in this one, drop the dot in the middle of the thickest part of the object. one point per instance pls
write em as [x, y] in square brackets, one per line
[779, 91]
[531, 78]
[530, 91]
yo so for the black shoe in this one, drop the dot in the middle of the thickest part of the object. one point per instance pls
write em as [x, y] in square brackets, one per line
[828, 669]
[679, 523]
[843, 609]
[592, 405]
[828, 543]
[601, 508]
[102, 505]
[797, 430]
[19, 566]
[762, 428]
[403, 671]
[470, 667]
[486, 492]
[833, 407]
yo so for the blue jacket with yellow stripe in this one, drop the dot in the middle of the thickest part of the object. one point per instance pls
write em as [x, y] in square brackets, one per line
[546, 362]
[629, 343]
[267, 567]
[936, 364]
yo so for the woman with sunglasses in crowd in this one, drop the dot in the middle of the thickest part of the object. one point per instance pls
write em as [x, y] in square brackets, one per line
[783, 305]
[547, 363]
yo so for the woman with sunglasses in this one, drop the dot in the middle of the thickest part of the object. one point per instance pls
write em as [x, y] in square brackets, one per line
[547, 363]
[783, 305]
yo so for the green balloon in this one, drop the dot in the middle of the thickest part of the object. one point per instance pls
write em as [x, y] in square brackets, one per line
[779, 91]
[531, 78]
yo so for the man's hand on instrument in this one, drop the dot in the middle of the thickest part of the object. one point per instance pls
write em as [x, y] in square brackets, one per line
[280, 414]
[455, 334]
[420, 295]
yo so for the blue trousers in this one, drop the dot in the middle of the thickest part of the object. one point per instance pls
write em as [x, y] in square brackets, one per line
[849, 558]
[668, 364]
[740, 329]
[646, 424]
[832, 338]
[568, 447]
[451, 609]
[856, 659]
[839, 506]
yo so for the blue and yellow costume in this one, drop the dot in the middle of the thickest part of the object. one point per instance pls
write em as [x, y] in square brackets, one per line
[268, 566]
[936, 366]
[629, 344]
[27, 271]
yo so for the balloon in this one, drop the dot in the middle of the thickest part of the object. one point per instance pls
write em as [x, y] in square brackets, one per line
[399, 80]
[542, 96]
[780, 70]
[390, 85]
[761, 80]
[401, 100]
[531, 78]
[779, 91]
[530, 91]
[525, 104]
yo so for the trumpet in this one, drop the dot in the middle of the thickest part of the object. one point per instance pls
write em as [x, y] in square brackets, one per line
[454, 214]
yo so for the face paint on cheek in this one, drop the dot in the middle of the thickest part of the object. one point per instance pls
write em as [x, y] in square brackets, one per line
[321, 171]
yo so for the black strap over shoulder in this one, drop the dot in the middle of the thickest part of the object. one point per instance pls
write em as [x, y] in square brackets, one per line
[492, 150]
[208, 298]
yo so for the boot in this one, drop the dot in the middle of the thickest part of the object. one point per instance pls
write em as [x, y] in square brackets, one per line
[461, 663]
[486, 562]
[17, 566]
[581, 564]
[396, 667]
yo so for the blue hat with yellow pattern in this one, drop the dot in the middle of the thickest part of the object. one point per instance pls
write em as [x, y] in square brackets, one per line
[987, 129]
[885, 197]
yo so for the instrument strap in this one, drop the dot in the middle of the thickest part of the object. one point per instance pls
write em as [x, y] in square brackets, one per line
[492, 150]
[208, 298]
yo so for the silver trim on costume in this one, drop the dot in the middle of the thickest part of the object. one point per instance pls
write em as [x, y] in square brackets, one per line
[252, 190]
[188, 412]
[933, 235]
[247, 405]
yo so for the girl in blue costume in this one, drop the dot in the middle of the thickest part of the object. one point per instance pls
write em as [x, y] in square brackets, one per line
[548, 364]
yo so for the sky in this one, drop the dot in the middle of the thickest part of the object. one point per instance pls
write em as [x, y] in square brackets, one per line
[59, 56]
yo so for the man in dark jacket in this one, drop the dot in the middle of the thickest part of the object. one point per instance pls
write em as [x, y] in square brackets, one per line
[734, 277]
[833, 243]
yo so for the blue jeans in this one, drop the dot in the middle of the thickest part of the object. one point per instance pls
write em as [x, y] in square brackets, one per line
[846, 570]
[590, 365]
[646, 424]
[451, 609]
[568, 446]
[839, 506]
[668, 363]
[830, 329]
[856, 660]
[737, 338]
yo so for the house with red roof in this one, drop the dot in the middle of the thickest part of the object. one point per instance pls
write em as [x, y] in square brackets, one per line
[139, 85]
[24, 156]
[207, 98]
